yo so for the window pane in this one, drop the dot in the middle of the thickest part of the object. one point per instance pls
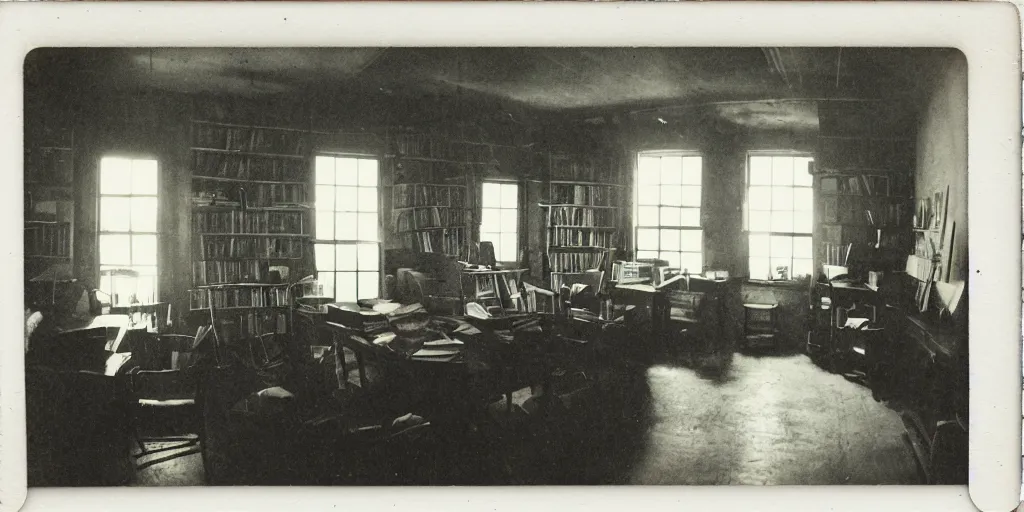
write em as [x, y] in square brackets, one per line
[760, 198]
[690, 240]
[367, 172]
[669, 216]
[802, 221]
[369, 256]
[759, 268]
[145, 270]
[145, 289]
[646, 255]
[692, 170]
[115, 213]
[144, 250]
[782, 170]
[326, 281]
[115, 249]
[692, 262]
[802, 247]
[347, 171]
[324, 225]
[324, 254]
[803, 199]
[509, 195]
[346, 287]
[648, 194]
[369, 284]
[760, 170]
[759, 245]
[690, 217]
[671, 195]
[671, 170]
[507, 251]
[760, 221]
[367, 199]
[649, 170]
[669, 239]
[115, 176]
[345, 227]
[144, 214]
[782, 246]
[691, 196]
[782, 221]
[802, 267]
[508, 221]
[324, 170]
[782, 198]
[801, 176]
[368, 227]
[647, 239]
[144, 179]
[346, 254]
[647, 216]
[490, 219]
[324, 198]
[672, 257]
[490, 195]
[345, 199]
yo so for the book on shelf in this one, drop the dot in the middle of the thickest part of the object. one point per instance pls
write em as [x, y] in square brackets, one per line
[282, 141]
[406, 195]
[247, 325]
[242, 221]
[241, 297]
[206, 272]
[214, 247]
[598, 195]
[575, 261]
[577, 216]
[570, 236]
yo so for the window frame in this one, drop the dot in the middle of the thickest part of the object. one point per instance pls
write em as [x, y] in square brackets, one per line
[810, 235]
[661, 153]
[99, 264]
[336, 155]
[519, 217]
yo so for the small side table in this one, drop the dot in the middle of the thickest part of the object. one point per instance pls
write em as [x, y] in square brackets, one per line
[760, 324]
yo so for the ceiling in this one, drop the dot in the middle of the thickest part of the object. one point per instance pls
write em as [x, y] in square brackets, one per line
[760, 87]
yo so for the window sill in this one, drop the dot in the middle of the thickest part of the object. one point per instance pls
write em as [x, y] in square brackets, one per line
[791, 284]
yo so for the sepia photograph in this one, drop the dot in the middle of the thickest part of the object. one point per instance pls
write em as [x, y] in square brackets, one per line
[496, 266]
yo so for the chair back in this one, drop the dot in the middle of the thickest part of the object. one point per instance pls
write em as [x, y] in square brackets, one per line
[538, 300]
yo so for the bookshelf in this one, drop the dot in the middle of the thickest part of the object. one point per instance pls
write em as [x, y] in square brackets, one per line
[250, 217]
[868, 209]
[431, 209]
[49, 204]
[583, 218]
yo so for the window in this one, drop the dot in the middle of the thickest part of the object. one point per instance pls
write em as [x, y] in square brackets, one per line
[347, 243]
[667, 215]
[499, 219]
[128, 234]
[779, 215]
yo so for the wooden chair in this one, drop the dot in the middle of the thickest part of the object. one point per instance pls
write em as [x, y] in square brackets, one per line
[166, 389]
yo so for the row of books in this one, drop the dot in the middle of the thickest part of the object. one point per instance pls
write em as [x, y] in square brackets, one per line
[566, 237]
[251, 324]
[411, 194]
[569, 168]
[247, 167]
[255, 195]
[856, 185]
[258, 297]
[242, 221]
[410, 220]
[433, 146]
[48, 239]
[575, 261]
[257, 140]
[229, 271]
[220, 247]
[887, 215]
[439, 241]
[573, 216]
[584, 194]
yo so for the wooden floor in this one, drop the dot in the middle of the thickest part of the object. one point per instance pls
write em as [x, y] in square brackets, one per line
[752, 420]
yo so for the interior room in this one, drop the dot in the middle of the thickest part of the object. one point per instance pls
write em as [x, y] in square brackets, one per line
[495, 266]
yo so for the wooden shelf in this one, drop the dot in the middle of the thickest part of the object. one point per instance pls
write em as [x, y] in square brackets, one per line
[403, 208]
[433, 228]
[253, 208]
[586, 183]
[237, 308]
[240, 180]
[240, 285]
[432, 159]
[275, 235]
[578, 248]
[442, 185]
[248, 153]
[925, 230]
[544, 205]
[587, 228]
